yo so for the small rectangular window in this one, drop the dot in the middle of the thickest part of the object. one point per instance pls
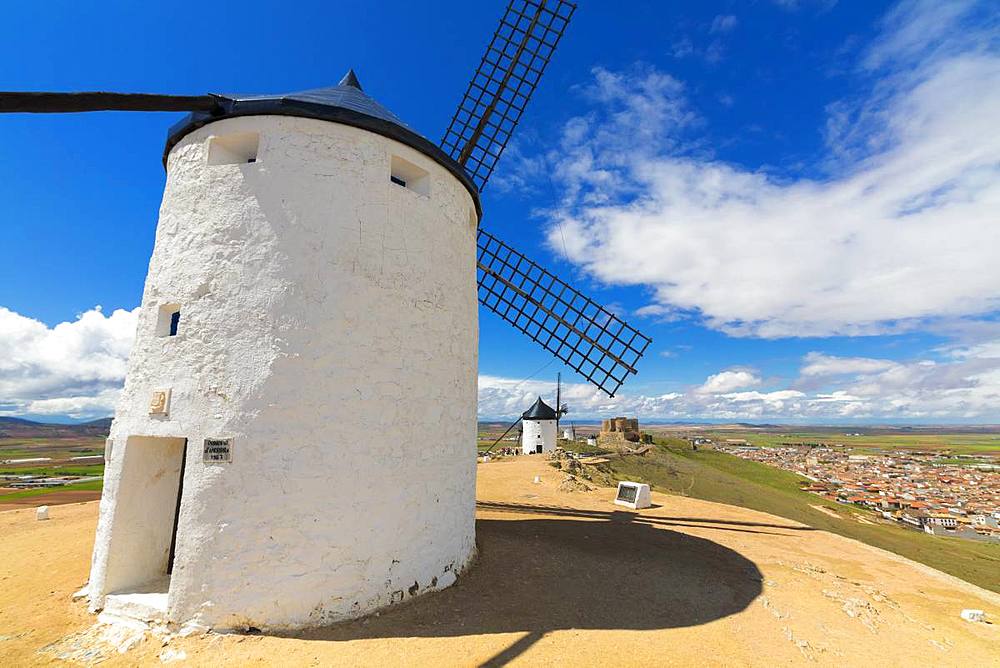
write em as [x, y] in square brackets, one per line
[405, 173]
[236, 149]
[168, 320]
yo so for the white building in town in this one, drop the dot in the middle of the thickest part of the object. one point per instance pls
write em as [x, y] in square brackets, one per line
[538, 428]
[310, 305]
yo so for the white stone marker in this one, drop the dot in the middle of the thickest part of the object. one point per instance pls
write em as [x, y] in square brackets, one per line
[42, 513]
[634, 495]
[970, 615]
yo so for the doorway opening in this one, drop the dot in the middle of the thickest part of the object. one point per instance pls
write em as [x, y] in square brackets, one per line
[177, 512]
[144, 534]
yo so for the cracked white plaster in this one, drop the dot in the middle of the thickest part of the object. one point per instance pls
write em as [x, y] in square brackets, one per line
[329, 327]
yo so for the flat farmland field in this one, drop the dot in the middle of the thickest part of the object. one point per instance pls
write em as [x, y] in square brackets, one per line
[56, 448]
[60, 452]
[956, 443]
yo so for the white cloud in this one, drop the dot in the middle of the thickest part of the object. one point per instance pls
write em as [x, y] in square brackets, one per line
[501, 397]
[913, 27]
[75, 368]
[901, 234]
[727, 381]
[682, 48]
[795, 5]
[965, 388]
[99, 405]
[723, 23]
[818, 364]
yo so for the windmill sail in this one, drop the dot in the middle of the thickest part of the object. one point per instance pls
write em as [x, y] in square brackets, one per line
[599, 345]
[62, 103]
[502, 85]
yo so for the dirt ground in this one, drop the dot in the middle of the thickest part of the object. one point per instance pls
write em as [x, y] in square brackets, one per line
[566, 579]
[51, 499]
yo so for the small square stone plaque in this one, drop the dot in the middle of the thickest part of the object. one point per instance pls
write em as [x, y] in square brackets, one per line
[634, 495]
[159, 402]
[218, 450]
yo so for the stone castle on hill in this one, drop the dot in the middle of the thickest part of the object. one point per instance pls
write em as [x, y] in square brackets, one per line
[619, 432]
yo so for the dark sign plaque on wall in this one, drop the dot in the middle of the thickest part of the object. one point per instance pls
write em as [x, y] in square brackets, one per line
[218, 450]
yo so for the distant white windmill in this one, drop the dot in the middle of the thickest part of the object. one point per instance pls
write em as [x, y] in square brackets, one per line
[310, 306]
[538, 428]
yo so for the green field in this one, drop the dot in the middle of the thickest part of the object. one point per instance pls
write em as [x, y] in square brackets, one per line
[59, 450]
[93, 485]
[55, 470]
[960, 444]
[716, 476]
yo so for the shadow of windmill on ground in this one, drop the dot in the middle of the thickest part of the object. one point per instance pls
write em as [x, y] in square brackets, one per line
[576, 569]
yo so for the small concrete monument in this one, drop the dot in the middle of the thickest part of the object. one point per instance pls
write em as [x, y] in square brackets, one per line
[634, 495]
[971, 615]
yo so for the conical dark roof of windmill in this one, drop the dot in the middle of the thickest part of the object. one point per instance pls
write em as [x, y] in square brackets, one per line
[346, 103]
[539, 411]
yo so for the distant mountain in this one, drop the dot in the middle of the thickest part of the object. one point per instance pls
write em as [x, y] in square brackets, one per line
[12, 427]
[14, 420]
[819, 428]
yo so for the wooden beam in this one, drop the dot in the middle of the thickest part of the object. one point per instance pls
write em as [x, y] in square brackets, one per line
[61, 103]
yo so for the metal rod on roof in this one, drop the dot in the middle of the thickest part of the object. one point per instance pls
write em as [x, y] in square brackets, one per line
[57, 103]
[558, 404]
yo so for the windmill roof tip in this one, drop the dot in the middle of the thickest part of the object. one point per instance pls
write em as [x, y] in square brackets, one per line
[540, 411]
[351, 79]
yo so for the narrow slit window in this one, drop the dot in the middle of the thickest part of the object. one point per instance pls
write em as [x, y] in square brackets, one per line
[168, 320]
[398, 181]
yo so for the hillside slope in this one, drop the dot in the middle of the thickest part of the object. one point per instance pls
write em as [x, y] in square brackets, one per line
[716, 476]
[19, 428]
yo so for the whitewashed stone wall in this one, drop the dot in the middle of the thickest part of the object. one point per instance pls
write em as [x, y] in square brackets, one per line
[329, 326]
[534, 432]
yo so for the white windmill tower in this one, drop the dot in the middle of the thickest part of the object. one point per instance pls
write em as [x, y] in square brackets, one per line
[538, 428]
[540, 424]
[314, 258]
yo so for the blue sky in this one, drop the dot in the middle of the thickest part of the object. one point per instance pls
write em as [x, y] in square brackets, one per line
[796, 200]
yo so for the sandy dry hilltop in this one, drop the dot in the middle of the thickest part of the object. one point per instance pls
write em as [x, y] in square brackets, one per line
[562, 578]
